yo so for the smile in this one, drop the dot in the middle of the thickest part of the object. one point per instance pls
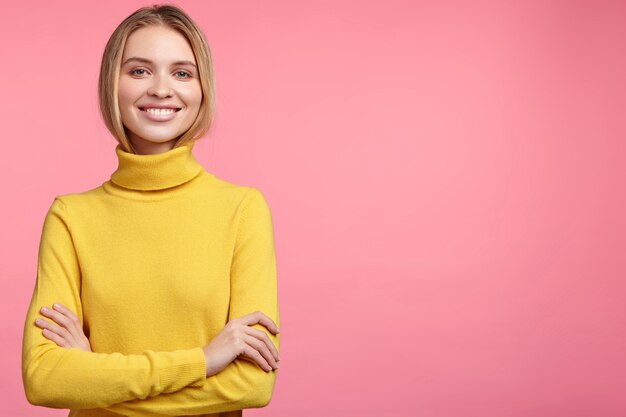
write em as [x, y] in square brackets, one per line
[159, 114]
[158, 111]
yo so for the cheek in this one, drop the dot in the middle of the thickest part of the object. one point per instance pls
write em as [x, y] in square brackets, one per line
[192, 96]
[126, 94]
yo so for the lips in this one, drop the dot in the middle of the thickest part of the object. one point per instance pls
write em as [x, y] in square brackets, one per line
[161, 113]
[153, 110]
[159, 106]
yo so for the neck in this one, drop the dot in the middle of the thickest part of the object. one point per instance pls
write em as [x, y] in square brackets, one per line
[157, 171]
[144, 147]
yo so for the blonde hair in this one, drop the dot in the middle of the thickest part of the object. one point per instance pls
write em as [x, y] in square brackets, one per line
[172, 17]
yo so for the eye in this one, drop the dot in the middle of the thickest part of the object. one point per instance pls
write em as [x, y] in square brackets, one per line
[138, 71]
[183, 74]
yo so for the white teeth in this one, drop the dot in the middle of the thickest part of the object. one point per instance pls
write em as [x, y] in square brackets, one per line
[160, 112]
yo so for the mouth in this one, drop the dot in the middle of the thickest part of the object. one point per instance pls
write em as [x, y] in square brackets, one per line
[160, 114]
[160, 111]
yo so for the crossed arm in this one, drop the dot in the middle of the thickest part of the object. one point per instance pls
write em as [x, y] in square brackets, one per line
[152, 383]
[66, 331]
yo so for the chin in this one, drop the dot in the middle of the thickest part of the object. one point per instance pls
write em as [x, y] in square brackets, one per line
[161, 138]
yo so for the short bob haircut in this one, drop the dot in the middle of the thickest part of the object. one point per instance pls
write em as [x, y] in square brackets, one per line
[174, 18]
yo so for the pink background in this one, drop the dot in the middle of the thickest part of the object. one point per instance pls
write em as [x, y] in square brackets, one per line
[446, 181]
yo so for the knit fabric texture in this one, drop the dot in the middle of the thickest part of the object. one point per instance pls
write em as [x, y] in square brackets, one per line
[154, 262]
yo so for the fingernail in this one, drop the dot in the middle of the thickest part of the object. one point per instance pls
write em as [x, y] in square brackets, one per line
[56, 306]
[45, 309]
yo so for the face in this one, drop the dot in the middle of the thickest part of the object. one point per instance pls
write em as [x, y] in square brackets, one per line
[159, 88]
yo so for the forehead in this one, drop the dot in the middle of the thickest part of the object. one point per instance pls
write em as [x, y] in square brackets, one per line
[158, 43]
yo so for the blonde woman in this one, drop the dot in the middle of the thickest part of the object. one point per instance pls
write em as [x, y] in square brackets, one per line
[156, 292]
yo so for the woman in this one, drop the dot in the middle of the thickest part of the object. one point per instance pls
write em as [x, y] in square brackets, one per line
[156, 292]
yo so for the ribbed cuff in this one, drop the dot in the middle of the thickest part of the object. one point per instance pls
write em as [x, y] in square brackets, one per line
[178, 369]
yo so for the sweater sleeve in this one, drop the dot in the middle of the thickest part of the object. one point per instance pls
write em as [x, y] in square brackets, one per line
[242, 384]
[59, 377]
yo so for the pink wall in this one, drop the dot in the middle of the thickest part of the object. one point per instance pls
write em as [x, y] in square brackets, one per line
[446, 179]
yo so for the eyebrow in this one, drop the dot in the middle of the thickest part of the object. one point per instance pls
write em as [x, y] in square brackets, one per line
[147, 61]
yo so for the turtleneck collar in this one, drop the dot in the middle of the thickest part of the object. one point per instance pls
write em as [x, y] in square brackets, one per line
[156, 171]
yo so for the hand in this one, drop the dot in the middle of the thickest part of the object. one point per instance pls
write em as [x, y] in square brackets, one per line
[66, 330]
[238, 339]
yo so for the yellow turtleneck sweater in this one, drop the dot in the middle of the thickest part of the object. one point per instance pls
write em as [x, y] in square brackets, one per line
[154, 262]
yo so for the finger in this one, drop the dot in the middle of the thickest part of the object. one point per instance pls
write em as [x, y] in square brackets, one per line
[56, 316]
[53, 332]
[77, 333]
[254, 354]
[62, 333]
[65, 326]
[58, 330]
[261, 318]
[52, 327]
[262, 348]
[71, 323]
[56, 338]
[261, 335]
[73, 318]
[266, 321]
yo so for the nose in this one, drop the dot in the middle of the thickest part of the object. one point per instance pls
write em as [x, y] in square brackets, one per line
[160, 87]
